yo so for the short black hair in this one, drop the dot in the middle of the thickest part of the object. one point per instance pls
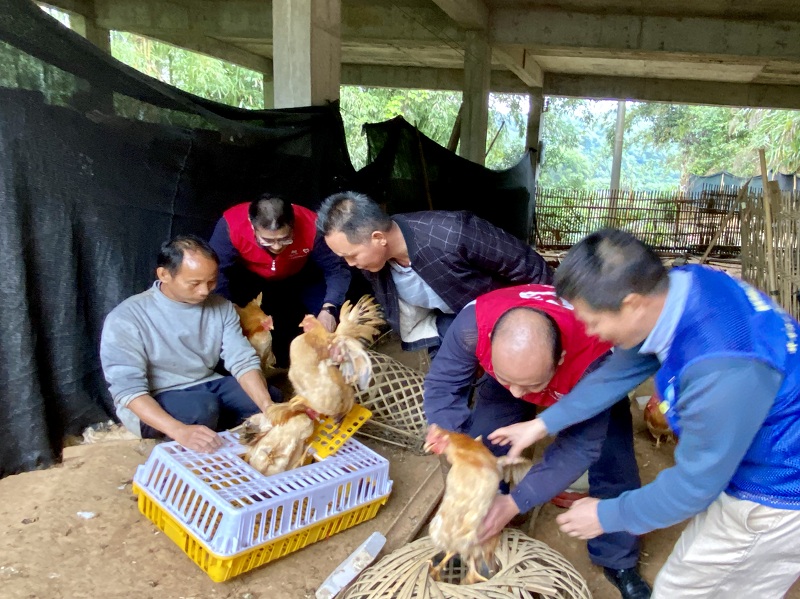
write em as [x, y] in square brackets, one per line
[171, 254]
[270, 212]
[605, 267]
[553, 332]
[353, 214]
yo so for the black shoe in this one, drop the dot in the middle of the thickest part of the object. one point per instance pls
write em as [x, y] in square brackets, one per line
[629, 583]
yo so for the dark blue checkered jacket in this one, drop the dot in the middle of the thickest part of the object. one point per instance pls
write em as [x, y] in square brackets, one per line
[461, 257]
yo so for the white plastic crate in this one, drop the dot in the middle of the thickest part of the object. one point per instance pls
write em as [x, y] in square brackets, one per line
[231, 508]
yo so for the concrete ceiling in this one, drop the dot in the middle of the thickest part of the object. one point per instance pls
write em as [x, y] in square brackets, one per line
[741, 52]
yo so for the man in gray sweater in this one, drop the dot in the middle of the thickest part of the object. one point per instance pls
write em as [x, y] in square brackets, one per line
[159, 349]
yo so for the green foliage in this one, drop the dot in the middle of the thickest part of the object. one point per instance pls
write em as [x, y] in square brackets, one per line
[577, 138]
[22, 71]
[664, 143]
[703, 140]
[434, 114]
[778, 131]
[698, 139]
[508, 124]
[192, 72]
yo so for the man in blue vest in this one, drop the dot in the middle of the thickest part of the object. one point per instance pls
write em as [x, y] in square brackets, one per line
[727, 367]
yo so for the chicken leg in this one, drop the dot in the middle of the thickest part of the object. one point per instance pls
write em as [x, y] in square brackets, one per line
[436, 571]
[473, 575]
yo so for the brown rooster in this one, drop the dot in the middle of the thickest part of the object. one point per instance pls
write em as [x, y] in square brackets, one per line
[256, 326]
[323, 366]
[655, 420]
[278, 439]
[471, 486]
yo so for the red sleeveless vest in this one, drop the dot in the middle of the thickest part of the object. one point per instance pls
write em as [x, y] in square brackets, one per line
[257, 259]
[581, 349]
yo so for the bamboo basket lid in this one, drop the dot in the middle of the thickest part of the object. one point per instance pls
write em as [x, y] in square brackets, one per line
[529, 569]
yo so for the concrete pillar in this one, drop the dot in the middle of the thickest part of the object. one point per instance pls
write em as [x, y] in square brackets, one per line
[99, 98]
[87, 27]
[616, 165]
[269, 91]
[477, 72]
[306, 51]
[619, 134]
[534, 130]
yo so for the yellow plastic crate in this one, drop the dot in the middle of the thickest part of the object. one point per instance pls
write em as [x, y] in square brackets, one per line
[229, 518]
[328, 437]
[221, 568]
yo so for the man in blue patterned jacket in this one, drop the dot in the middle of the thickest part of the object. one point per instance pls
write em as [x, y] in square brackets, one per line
[727, 367]
[426, 266]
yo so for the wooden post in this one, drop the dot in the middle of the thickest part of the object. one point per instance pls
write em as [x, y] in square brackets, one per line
[613, 199]
[767, 196]
[455, 134]
[724, 223]
[494, 139]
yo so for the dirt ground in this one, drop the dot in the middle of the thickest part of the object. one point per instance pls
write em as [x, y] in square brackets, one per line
[48, 551]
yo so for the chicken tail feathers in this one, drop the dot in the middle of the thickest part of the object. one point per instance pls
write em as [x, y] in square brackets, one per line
[356, 365]
[253, 428]
[514, 469]
[360, 321]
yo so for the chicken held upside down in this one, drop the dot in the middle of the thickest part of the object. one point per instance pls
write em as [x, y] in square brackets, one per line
[277, 440]
[471, 486]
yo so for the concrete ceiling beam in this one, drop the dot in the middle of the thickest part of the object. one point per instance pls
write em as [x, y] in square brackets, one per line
[661, 36]
[85, 8]
[469, 14]
[585, 86]
[218, 19]
[217, 49]
[247, 20]
[684, 91]
[521, 63]
[540, 31]
[425, 78]
[474, 15]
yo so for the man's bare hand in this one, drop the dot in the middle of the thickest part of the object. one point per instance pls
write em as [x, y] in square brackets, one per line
[502, 510]
[520, 436]
[198, 437]
[581, 521]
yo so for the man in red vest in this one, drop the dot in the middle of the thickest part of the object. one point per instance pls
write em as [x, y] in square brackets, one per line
[271, 246]
[533, 350]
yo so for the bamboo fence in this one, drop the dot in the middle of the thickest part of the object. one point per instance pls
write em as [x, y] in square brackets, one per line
[673, 222]
[786, 247]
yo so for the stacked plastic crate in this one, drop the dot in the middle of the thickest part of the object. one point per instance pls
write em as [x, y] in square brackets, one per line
[229, 518]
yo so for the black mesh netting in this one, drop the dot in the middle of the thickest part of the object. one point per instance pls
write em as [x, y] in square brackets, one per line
[408, 172]
[100, 164]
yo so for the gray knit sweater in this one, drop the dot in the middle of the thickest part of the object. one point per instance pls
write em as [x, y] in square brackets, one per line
[151, 344]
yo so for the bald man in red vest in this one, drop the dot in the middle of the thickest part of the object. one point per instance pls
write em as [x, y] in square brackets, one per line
[272, 247]
[533, 350]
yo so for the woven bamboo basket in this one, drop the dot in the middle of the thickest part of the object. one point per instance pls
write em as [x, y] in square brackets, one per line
[529, 569]
[395, 399]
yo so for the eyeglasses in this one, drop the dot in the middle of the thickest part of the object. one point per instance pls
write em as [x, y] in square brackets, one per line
[281, 241]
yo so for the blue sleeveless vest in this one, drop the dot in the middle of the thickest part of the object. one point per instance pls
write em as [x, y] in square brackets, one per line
[725, 317]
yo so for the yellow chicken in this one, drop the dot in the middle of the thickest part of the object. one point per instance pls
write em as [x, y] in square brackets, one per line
[471, 486]
[656, 421]
[277, 441]
[323, 366]
[256, 326]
